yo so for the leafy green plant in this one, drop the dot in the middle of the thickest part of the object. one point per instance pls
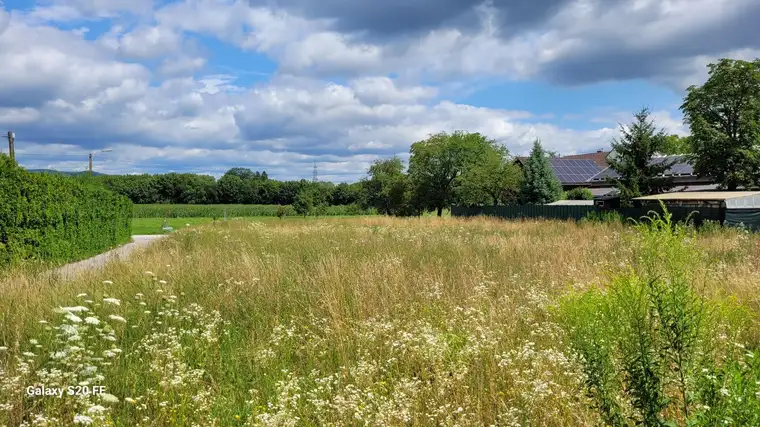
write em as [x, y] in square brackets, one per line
[57, 218]
[579, 193]
[648, 341]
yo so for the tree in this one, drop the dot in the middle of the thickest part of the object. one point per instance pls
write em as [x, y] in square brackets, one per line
[579, 193]
[724, 117]
[437, 162]
[387, 187]
[540, 185]
[675, 145]
[304, 202]
[639, 173]
[493, 180]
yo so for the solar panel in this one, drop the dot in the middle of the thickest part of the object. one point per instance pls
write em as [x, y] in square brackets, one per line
[573, 170]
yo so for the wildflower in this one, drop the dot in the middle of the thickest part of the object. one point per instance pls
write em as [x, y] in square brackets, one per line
[724, 391]
[130, 400]
[109, 354]
[82, 419]
[76, 309]
[91, 320]
[68, 329]
[81, 295]
[28, 354]
[3, 348]
[110, 398]
[117, 318]
[163, 282]
[33, 341]
[43, 322]
[113, 301]
[74, 318]
[96, 409]
[108, 282]
[149, 273]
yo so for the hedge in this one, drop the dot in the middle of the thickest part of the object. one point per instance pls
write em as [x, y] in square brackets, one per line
[233, 211]
[57, 218]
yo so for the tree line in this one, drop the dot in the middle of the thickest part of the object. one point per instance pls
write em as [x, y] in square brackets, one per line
[470, 169]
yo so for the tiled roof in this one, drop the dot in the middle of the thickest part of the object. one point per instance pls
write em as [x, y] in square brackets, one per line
[600, 157]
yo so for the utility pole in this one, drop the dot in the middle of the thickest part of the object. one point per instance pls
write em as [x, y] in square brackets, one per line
[314, 177]
[105, 150]
[11, 147]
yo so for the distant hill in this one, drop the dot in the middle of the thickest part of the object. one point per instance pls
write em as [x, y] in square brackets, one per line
[67, 173]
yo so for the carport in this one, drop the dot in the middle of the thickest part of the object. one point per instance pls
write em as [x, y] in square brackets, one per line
[736, 207]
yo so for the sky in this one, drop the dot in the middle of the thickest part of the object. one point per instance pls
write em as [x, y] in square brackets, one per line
[201, 86]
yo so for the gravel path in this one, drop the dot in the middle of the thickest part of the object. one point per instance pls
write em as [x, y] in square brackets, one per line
[69, 271]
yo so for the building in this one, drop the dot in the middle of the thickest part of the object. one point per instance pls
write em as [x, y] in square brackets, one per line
[592, 171]
[736, 207]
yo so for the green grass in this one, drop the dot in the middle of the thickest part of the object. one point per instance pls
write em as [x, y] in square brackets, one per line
[146, 226]
[231, 211]
[153, 225]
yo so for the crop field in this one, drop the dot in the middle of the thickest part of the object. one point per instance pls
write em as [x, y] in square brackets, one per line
[235, 211]
[383, 321]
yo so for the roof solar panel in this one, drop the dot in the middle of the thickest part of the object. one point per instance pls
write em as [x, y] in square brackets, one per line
[574, 170]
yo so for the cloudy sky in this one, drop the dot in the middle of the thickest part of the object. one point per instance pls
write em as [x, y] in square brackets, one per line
[204, 85]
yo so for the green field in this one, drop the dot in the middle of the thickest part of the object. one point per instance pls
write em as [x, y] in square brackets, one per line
[143, 226]
[236, 211]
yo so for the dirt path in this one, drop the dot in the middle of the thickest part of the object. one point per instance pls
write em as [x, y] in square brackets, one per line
[69, 271]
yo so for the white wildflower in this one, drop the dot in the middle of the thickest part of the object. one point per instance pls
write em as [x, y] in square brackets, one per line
[33, 341]
[113, 301]
[163, 282]
[108, 282]
[110, 398]
[109, 354]
[149, 273]
[28, 354]
[3, 348]
[74, 318]
[82, 419]
[96, 409]
[91, 320]
[117, 318]
[43, 322]
[724, 391]
[76, 309]
[81, 295]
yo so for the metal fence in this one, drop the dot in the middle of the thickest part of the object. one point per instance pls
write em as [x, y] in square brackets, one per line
[697, 215]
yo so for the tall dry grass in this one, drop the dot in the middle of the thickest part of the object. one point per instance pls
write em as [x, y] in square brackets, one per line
[366, 321]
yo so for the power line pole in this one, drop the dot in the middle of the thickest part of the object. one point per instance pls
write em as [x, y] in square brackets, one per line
[90, 164]
[314, 177]
[11, 147]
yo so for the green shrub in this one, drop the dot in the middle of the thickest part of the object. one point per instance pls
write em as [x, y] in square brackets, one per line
[654, 351]
[579, 193]
[610, 217]
[57, 218]
[233, 211]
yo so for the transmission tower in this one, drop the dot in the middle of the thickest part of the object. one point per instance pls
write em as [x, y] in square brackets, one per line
[314, 176]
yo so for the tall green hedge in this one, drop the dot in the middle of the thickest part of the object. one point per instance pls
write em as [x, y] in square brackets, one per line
[57, 218]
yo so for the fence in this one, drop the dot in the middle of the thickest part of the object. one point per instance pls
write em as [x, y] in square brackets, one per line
[698, 215]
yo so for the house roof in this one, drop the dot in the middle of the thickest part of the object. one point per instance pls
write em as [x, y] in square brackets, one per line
[572, 203]
[574, 171]
[600, 157]
[680, 168]
[717, 196]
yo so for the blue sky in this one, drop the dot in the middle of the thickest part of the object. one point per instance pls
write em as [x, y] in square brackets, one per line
[205, 85]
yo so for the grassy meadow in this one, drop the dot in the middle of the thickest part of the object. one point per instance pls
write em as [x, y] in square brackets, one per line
[385, 321]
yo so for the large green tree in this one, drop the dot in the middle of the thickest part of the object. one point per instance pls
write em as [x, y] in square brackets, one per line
[540, 185]
[437, 164]
[675, 145]
[493, 180]
[386, 187]
[640, 174]
[724, 117]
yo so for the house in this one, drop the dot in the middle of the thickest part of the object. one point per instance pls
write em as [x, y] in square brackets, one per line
[592, 171]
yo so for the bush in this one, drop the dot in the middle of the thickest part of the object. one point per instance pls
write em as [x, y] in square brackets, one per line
[57, 218]
[609, 217]
[654, 351]
[579, 193]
